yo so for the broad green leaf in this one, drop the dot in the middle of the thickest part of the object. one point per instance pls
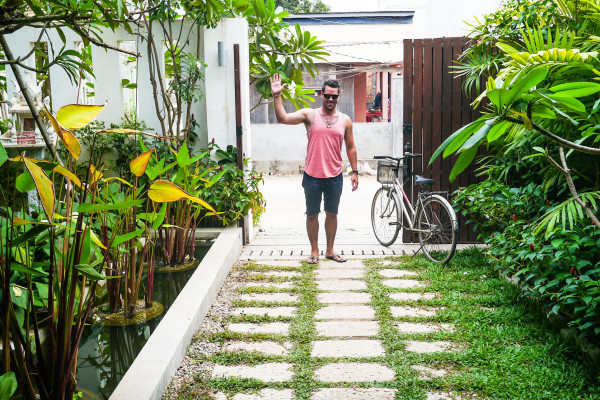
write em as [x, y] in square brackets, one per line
[18, 267]
[3, 155]
[69, 140]
[134, 131]
[138, 165]
[44, 187]
[499, 97]
[8, 385]
[86, 247]
[89, 272]
[569, 102]
[24, 182]
[479, 135]
[128, 236]
[464, 160]
[76, 116]
[162, 191]
[497, 131]
[183, 157]
[88, 207]
[455, 136]
[576, 89]
[533, 78]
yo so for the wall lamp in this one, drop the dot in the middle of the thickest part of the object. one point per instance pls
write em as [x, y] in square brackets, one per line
[222, 50]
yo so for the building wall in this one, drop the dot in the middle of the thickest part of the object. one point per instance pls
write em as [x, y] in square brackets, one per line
[360, 97]
[215, 112]
[281, 149]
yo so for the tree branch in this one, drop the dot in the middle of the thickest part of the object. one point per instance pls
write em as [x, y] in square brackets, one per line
[565, 170]
[85, 35]
[556, 138]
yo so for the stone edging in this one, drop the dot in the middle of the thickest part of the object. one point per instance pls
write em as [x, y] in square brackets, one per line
[150, 374]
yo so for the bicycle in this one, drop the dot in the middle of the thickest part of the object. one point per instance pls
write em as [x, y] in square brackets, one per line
[433, 218]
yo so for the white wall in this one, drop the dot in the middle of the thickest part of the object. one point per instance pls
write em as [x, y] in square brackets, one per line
[215, 112]
[281, 149]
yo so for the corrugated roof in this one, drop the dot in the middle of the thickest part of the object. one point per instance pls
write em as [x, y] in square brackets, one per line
[367, 17]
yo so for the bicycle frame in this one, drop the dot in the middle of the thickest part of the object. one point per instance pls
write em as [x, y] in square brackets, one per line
[407, 208]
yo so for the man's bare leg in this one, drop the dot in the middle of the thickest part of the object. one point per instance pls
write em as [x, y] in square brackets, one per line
[331, 224]
[312, 228]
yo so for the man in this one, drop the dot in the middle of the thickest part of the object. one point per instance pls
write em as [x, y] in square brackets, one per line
[326, 129]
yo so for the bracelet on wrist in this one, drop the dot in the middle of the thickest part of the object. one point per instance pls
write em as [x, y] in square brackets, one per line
[354, 171]
[274, 96]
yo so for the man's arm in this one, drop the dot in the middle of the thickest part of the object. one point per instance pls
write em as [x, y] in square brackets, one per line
[297, 117]
[351, 152]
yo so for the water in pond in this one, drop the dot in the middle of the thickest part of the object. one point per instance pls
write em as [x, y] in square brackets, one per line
[105, 352]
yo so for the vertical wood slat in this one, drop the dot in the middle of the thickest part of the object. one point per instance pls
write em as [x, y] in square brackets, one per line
[456, 122]
[408, 101]
[463, 178]
[446, 123]
[436, 117]
[427, 105]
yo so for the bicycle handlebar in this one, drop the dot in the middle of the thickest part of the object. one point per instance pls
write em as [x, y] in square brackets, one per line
[406, 155]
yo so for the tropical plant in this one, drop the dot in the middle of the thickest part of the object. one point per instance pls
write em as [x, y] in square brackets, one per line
[275, 48]
[303, 6]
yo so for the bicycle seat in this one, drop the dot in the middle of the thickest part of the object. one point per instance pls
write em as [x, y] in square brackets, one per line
[423, 181]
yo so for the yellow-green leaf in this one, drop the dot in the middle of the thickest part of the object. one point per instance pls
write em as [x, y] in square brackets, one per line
[95, 175]
[44, 186]
[68, 174]
[138, 165]
[133, 131]
[66, 136]
[162, 191]
[76, 116]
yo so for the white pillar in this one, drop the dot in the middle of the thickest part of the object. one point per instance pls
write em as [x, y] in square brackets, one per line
[397, 113]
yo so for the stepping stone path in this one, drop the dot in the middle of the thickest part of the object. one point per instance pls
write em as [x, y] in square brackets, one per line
[346, 349]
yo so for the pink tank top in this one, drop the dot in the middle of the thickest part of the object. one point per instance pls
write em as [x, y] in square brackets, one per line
[324, 151]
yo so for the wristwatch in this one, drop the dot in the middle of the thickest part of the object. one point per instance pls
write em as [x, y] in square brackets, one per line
[354, 171]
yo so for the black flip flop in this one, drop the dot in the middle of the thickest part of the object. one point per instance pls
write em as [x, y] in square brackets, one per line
[336, 258]
[312, 260]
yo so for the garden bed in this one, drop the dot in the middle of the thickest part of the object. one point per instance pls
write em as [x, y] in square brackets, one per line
[158, 360]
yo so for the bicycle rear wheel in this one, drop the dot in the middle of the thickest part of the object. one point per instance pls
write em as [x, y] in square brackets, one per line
[385, 216]
[438, 221]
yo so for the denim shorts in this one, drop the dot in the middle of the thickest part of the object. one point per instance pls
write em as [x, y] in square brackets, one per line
[316, 189]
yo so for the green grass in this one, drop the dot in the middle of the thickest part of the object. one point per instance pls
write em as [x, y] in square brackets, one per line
[506, 348]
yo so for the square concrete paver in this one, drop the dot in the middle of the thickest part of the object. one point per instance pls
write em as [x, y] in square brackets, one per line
[278, 328]
[347, 328]
[340, 285]
[335, 273]
[404, 296]
[345, 312]
[264, 394]
[268, 311]
[428, 347]
[280, 263]
[265, 347]
[427, 373]
[347, 348]
[443, 396]
[343, 297]
[271, 372]
[270, 297]
[411, 312]
[273, 285]
[276, 274]
[427, 327]
[396, 273]
[403, 283]
[354, 394]
[350, 264]
[354, 372]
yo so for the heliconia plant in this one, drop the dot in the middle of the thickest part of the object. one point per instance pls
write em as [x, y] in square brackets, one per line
[85, 230]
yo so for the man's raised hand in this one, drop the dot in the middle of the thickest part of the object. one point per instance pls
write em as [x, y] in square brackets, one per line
[276, 86]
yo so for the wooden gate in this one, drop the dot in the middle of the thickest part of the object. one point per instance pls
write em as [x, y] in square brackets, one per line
[435, 106]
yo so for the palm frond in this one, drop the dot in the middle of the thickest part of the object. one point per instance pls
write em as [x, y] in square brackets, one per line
[568, 213]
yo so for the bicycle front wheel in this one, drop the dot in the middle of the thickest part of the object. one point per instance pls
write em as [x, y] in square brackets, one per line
[438, 229]
[385, 216]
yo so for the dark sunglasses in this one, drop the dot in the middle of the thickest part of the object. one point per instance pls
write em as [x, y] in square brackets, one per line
[331, 96]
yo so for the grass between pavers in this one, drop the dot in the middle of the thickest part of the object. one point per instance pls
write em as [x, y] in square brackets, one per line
[508, 352]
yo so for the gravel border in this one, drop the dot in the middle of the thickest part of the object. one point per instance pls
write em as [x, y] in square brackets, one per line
[194, 372]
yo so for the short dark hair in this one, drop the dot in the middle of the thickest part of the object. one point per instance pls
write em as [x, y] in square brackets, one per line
[332, 83]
